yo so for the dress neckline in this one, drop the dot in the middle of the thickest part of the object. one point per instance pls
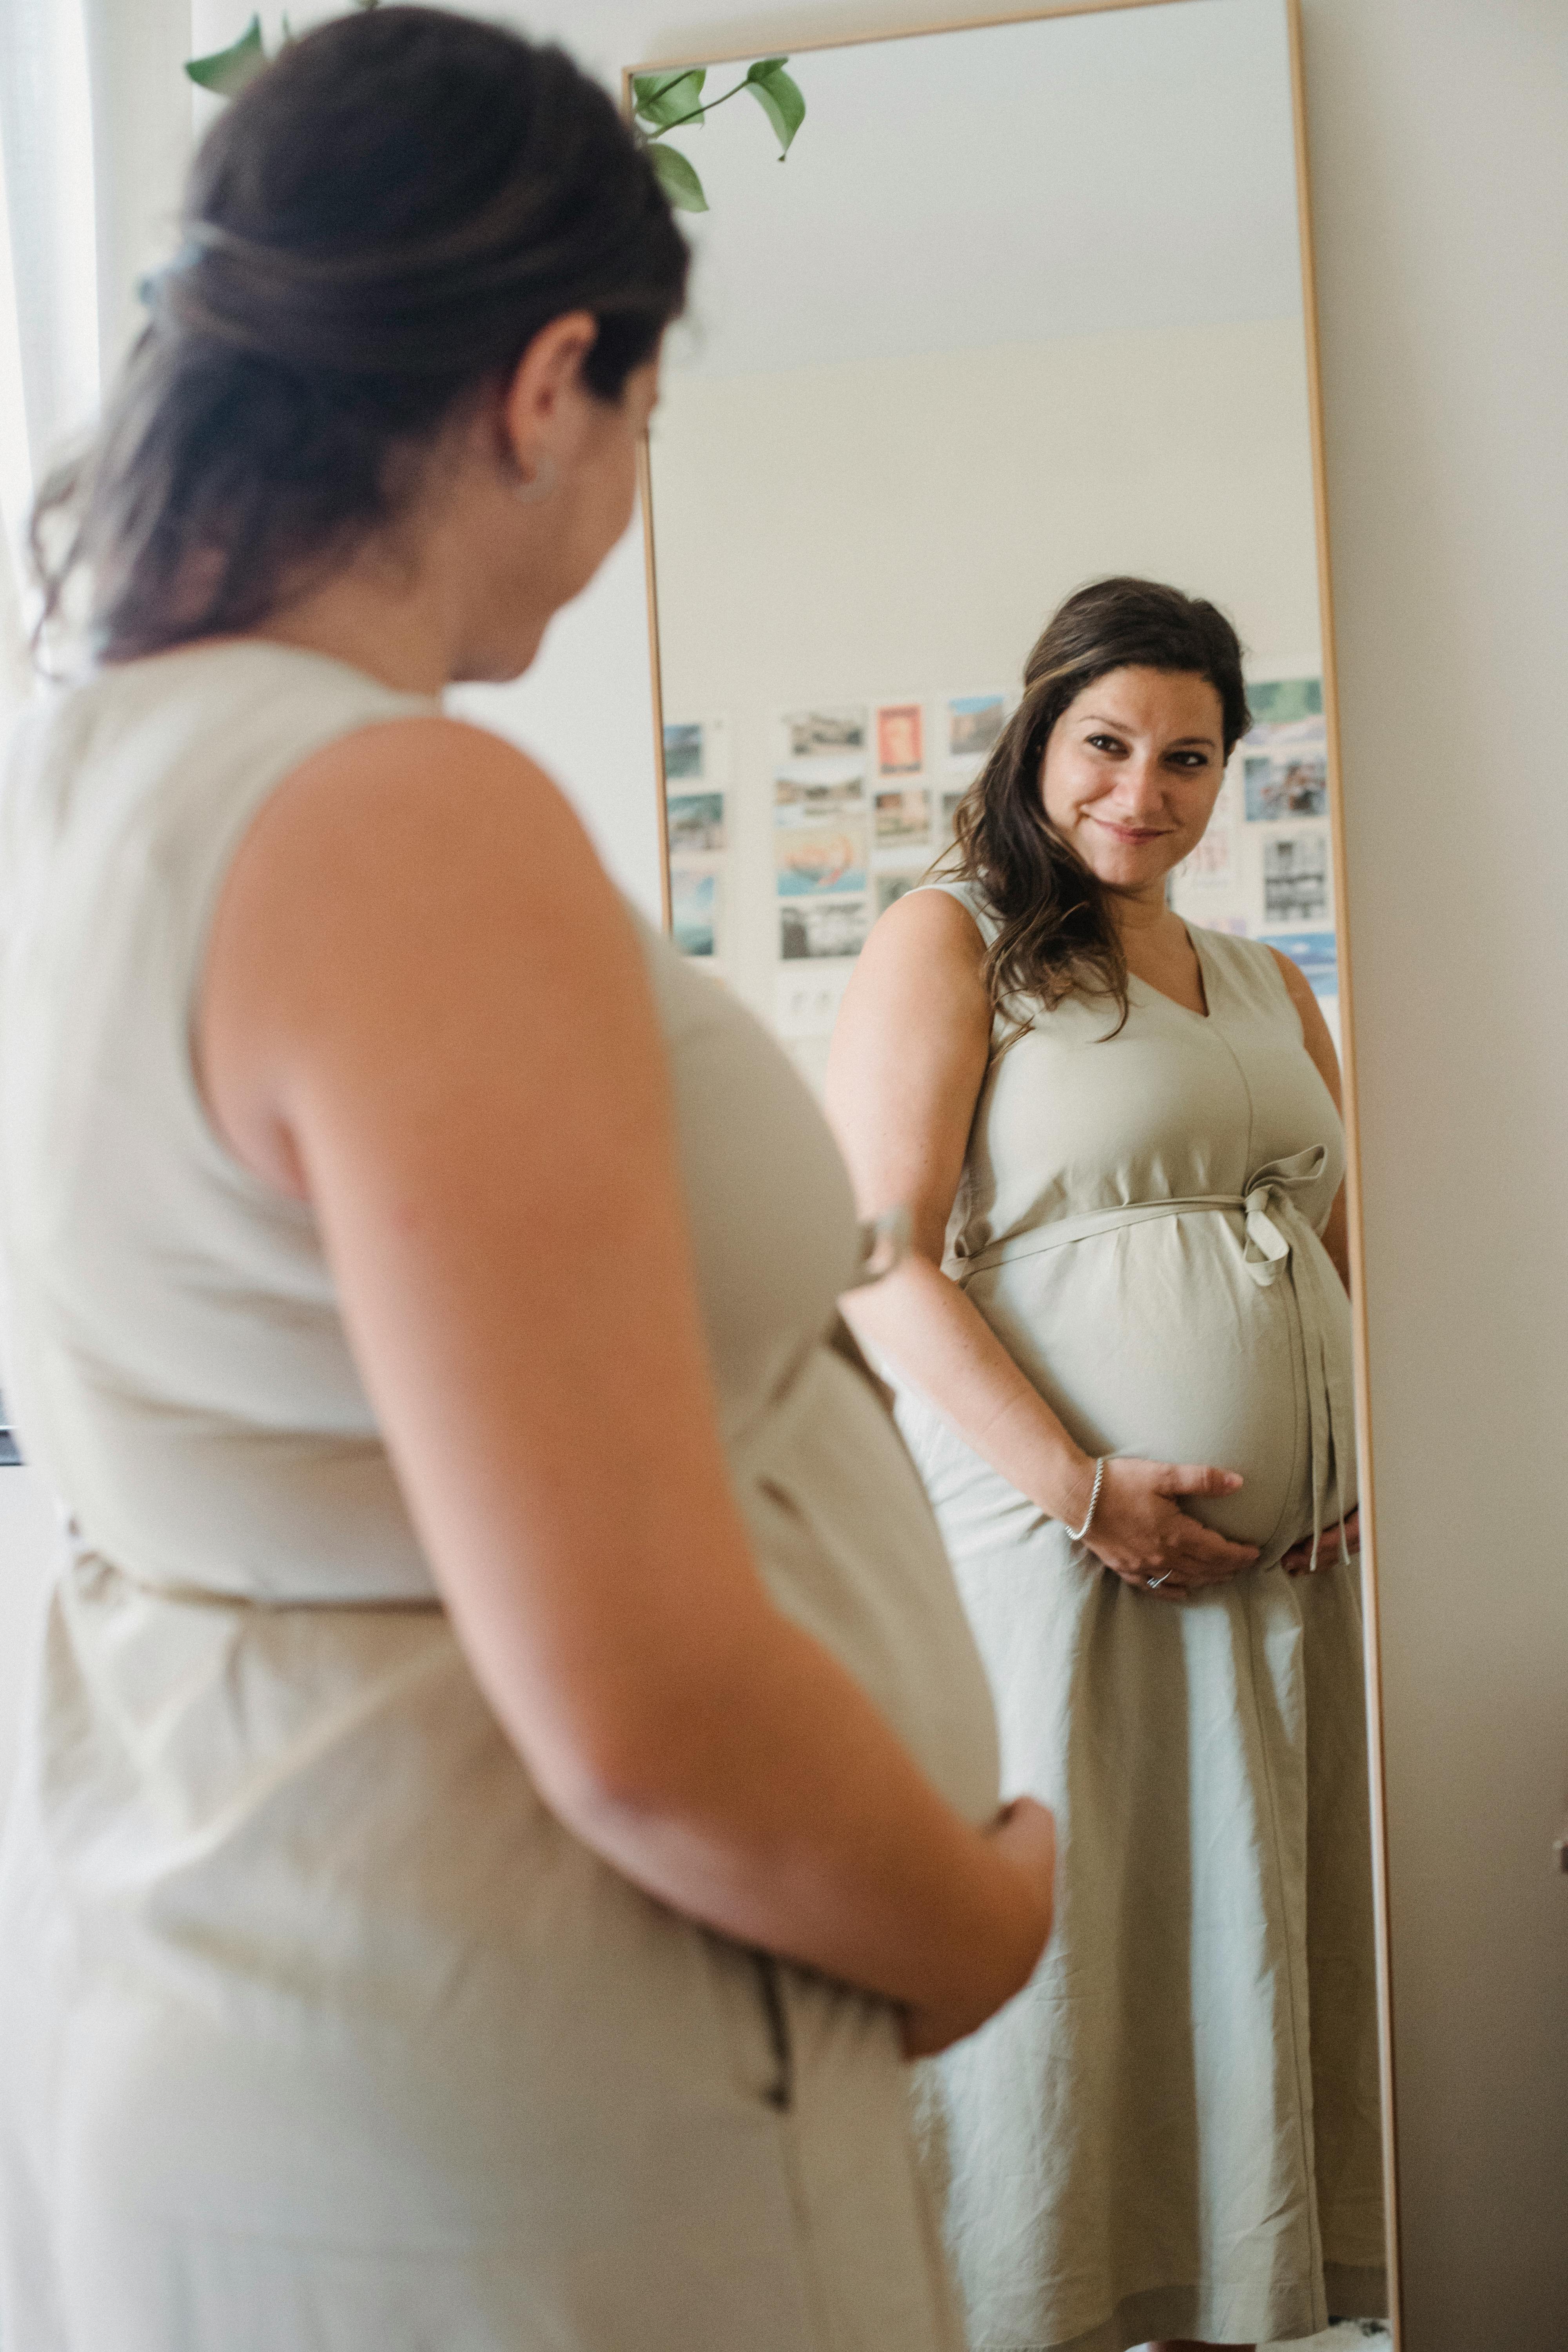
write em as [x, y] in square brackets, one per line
[1206, 974]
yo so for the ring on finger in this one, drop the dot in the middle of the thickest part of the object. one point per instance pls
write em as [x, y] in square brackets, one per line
[1152, 1583]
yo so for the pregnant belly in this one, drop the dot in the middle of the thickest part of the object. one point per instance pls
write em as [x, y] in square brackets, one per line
[1154, 1340]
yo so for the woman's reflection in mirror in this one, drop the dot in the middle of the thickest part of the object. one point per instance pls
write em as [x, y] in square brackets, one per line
[1121, 1344]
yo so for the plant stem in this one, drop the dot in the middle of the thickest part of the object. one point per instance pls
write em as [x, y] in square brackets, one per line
[698, 112]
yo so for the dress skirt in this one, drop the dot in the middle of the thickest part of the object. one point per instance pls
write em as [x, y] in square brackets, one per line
[1174, 2131]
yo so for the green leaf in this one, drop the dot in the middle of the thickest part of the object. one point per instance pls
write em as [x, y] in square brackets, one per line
[664, 99]
[229, 71]
[780, 99]
[763, 67]
[677, 178]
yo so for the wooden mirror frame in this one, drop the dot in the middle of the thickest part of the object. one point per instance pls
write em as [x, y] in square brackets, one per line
[1371, 1621]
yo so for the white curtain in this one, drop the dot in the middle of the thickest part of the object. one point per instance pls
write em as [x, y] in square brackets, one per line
[95, 133]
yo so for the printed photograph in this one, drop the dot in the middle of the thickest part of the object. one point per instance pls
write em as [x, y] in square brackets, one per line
[974, 723]
[1315, 952]
[1296, 880]
[900, 740]
[836, 928]
[892, 887]
[902, 816]
[947, 816]
[694, 910]
[813, 859]
[802, 795]
[1280, 701]
[819, 734]
[696, 822]
[1288, 776]
[682, 753]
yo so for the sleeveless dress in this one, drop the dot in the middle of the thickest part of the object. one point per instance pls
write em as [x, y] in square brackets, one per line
[1174, 2130]
[317, 2030]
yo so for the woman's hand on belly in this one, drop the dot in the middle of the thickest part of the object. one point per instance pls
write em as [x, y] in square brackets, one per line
[1141, 1534]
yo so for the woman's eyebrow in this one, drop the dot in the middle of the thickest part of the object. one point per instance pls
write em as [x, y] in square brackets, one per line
[1178, 743]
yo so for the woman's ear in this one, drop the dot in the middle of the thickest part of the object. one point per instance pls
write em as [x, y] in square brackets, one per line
[541, 405]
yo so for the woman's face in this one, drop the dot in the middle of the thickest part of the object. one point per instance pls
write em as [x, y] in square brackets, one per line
[1130, 773]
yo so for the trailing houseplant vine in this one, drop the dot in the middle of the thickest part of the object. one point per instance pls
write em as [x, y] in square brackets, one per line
[661, 104]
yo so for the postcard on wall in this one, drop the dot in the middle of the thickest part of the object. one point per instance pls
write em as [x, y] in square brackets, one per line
[1316, 954]
[694, 905]
[1212, 861]
[974, 723]
[812, 859]
[900, 739]
[829, 926]
[947, 816]
[830, 732]
[902, 816]
[683, 752]
[1284, 752]
[802, 798]
[1296, 880]
[696, 822]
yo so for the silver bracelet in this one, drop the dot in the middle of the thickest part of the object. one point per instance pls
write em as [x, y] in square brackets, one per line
[1077, 1534]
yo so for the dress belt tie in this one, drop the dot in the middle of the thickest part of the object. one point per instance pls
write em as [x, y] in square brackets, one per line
[1274, 1230]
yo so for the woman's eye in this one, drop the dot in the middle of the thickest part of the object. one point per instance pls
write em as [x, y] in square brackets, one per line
[1105, 743]
[1189, 759]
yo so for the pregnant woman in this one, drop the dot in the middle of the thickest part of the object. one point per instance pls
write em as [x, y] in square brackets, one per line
[507, 1781]
[1122, 1346]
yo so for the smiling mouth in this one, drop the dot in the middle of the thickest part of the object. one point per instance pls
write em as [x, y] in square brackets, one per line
[1131, 832]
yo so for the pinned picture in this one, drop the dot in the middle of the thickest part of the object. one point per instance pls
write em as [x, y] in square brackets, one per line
[812, 859]
[900, 739]
[682, 753]
[902, 816]
[1211, 860]
[836, 928]
[1281, 701]
[974, 723]
[808, 792]
[1296, 880]
[1284, 752]
[694, 910]
[825, 733]
[947, 816]
[892, 886]
[1314, 953]
[696, 822]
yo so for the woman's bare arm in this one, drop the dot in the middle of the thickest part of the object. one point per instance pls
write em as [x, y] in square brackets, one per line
[425, 1011]
[1320, 1047]
[909, 1058]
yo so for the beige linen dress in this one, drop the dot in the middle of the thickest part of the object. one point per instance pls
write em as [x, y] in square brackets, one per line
[317, 2033]
[1174, 2131]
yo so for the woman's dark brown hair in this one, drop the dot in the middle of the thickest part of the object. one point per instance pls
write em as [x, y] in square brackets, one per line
[374, 231]
[1058, 935]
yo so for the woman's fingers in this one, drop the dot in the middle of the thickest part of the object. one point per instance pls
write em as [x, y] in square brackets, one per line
[1197, 1478]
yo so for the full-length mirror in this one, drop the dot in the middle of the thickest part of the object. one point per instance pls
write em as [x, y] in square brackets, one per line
[1021, 315]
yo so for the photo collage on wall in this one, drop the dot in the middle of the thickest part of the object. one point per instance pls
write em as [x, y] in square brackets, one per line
[859, 800]
[697, 780]
[1264, 868]
[864, 801]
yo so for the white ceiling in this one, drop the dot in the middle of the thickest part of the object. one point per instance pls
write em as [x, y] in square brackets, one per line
[1128, 169]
